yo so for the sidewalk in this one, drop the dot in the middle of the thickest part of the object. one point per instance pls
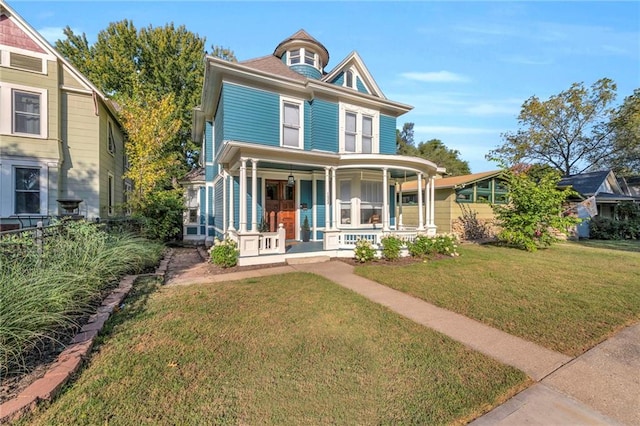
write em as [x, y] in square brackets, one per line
[600, 387]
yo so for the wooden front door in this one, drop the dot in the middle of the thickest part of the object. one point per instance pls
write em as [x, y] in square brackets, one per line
[280, 205]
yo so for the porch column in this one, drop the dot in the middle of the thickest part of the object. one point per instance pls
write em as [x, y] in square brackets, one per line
[333, 198]
[225, 199]
[231, 203]
[314, 211]
[385, 200]
[400, 224]
[243, 195]
[254, 195]
[420, 206]
[433, 201]
[427, 200]
[327, 202]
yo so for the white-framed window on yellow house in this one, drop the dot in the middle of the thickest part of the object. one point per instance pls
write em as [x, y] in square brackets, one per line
[111, 194]
[292, 124]
[359, 130]
[27, 190]
[24, 110]
[111, 141]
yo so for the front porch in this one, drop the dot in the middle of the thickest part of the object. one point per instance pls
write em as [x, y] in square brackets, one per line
[273, 247]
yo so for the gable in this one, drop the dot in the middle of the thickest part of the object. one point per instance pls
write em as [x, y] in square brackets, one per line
[352, 73]
[13, 36]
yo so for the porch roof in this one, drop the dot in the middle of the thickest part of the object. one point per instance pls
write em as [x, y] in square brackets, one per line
[399, 166]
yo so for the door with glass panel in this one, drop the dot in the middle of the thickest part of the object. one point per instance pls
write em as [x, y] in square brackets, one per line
[280, 206]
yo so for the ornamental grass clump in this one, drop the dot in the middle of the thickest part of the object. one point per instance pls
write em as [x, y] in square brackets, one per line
[44, 294]
[364, 251]
[224, 253]
[391, 247]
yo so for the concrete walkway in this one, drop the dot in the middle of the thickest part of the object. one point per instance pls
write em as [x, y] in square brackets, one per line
[600, 387]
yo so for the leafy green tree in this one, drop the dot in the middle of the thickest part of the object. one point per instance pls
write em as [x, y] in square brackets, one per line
[625, 127]
[534, 212]
[434, 150]
[404, 140]
[569, 131]
[223, 53]
[163, 60]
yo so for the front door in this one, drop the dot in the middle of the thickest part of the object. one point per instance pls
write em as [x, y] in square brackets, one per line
[280, 204]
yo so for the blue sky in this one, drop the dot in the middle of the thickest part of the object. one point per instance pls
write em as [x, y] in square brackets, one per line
[465, 67]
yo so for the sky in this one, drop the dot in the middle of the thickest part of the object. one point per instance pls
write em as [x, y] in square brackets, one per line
[465, 67]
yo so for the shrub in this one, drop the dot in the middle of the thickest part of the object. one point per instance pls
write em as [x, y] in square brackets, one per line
[162, 215]
[391, 246]
[473, 228]
[364, 251]
[421, 246]
[224, 253]
[534, 211]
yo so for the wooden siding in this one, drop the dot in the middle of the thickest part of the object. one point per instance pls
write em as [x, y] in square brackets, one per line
[387, 134]
[306, 188]
[218, 133]
[251, 115]
[25, 145]
[306, 70]
[69, 80]
[112, 163]
[324, 124]
[339, 80]
[360, 86]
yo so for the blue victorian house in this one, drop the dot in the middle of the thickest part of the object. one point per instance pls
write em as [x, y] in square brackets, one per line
[293, 152]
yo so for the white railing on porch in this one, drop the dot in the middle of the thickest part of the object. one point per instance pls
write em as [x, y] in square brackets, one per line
[260, 243]
[270, 243]
[348, 239]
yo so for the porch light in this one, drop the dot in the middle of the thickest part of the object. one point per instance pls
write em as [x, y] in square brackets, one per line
[290, 180]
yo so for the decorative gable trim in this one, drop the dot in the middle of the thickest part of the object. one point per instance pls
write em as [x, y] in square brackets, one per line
[354, 63]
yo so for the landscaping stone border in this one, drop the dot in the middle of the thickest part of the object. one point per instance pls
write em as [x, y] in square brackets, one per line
[71, 358]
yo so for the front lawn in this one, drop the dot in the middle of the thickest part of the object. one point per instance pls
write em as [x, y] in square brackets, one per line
[567, 298]
[625, 245]
[293, 349]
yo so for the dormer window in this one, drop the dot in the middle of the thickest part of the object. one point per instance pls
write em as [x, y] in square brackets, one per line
[304, 56]
[349, 79]
[294, 57]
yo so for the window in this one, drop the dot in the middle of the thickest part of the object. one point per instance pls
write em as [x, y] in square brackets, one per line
[111, 142]
[294, 57]
[309, 58]
[370, 202]
[345, 202]
[292, 132]
[350, 132]
[27, 190]
[348, 79]
[193, 215]
[26, 112]
[359, 130]
[486, 191]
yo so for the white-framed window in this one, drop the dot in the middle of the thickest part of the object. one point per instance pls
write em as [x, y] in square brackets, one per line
[359, 130]
[304, 56]
[23, 110]
[111, 193]
[111, 141]
[24, 185]
[291, 123]
[349, 79]
[193, 215]
[370, 202]
[27, 190]
[345, 202]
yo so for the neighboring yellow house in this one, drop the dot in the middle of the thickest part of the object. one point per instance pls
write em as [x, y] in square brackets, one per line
[59, 135]
[476, 191]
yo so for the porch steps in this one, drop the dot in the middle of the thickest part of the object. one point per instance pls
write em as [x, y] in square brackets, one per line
[311, 259]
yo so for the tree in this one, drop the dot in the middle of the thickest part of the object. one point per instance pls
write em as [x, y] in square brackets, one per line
[223, 53]
[569, 131]
[404, 140]
[625, 127]
[163, 60]
[534, 211]
[434, 150]
[150, 123]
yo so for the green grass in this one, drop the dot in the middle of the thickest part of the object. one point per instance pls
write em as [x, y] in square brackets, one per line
[289, 349]
[625, 245]
[567, 298]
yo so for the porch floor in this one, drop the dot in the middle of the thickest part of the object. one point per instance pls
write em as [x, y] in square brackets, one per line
[294, 247]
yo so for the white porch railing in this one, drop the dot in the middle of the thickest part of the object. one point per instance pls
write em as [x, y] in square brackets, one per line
[349, 238]
[260, 243]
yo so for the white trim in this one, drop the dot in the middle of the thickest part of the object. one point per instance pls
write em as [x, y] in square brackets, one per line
[111, 194]
[7, 183]
[302, 58]
[360, 112]
[5, 58]
[300, 103]
[111, 137]
[7, 104]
